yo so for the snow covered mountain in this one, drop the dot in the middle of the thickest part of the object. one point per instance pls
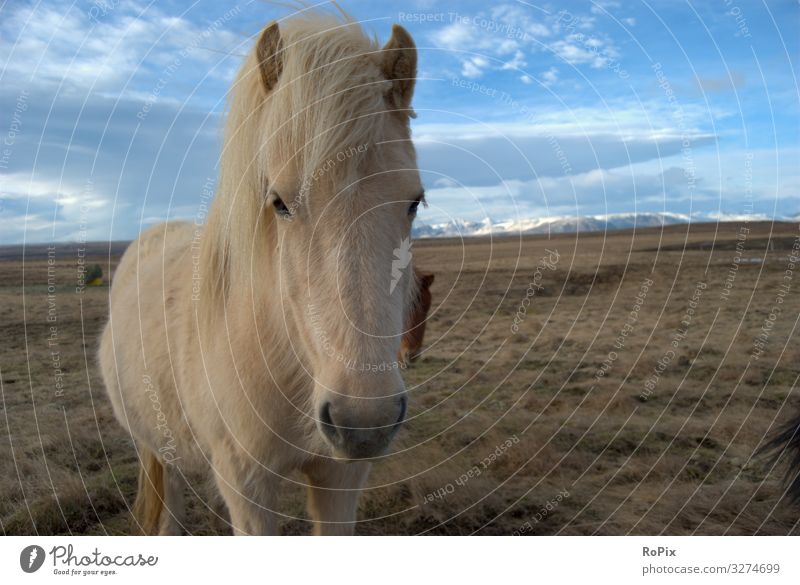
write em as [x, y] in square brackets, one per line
[568, 224]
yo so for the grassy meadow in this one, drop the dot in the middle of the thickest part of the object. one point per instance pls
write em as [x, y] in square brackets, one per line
[589, 383]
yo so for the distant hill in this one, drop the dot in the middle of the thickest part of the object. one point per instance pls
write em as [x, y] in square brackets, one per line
[62, 249]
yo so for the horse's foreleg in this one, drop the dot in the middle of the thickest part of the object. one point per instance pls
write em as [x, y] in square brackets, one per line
[173, 516]
[334, 489]
[249, 492]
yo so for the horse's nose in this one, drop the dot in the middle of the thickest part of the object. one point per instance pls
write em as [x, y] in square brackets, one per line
[360, 435]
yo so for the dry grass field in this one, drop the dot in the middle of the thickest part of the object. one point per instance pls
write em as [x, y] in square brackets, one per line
[594, 384]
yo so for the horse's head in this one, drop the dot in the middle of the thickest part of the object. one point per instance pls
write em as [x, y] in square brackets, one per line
[339, 191]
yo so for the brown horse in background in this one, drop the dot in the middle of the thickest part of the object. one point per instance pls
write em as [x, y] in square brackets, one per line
[411, 346]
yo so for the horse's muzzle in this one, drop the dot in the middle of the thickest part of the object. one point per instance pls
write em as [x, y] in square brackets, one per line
[361, 435]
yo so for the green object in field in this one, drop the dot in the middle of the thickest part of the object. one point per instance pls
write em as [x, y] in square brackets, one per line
[94, 275]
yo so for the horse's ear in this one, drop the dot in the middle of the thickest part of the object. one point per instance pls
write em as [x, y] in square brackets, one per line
[270, 59]
[400, 67]
[427, 279]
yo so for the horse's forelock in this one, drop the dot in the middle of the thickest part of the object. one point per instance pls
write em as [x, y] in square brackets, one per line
[330, 99]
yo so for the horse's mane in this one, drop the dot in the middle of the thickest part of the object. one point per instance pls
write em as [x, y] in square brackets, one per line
[329, 96]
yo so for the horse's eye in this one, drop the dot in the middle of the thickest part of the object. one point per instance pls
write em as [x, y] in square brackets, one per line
[412, 209]
[278, 205]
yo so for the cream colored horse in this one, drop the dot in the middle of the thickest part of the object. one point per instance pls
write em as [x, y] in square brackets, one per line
[266, 342]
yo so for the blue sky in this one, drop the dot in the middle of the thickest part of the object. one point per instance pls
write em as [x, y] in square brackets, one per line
[110, 111]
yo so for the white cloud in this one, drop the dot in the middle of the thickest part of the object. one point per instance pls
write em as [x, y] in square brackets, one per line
[42, 209]
[518, 19]
[456, 36]
[508, 35]
[550, 77]
[23, 186]
[646, 120]
[474, 67]
[556, 143]
[501, 36]
[603, 6]
[64, 46]
[577, 49]
[517, 62]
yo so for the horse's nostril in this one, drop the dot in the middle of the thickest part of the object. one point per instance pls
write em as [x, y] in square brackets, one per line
[403, 407]
[325, 415]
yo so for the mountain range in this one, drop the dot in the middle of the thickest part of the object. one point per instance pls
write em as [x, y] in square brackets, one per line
[567, 224]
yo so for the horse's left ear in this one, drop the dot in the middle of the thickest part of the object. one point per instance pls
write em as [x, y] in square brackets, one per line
[400, 67]
[270, 59]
